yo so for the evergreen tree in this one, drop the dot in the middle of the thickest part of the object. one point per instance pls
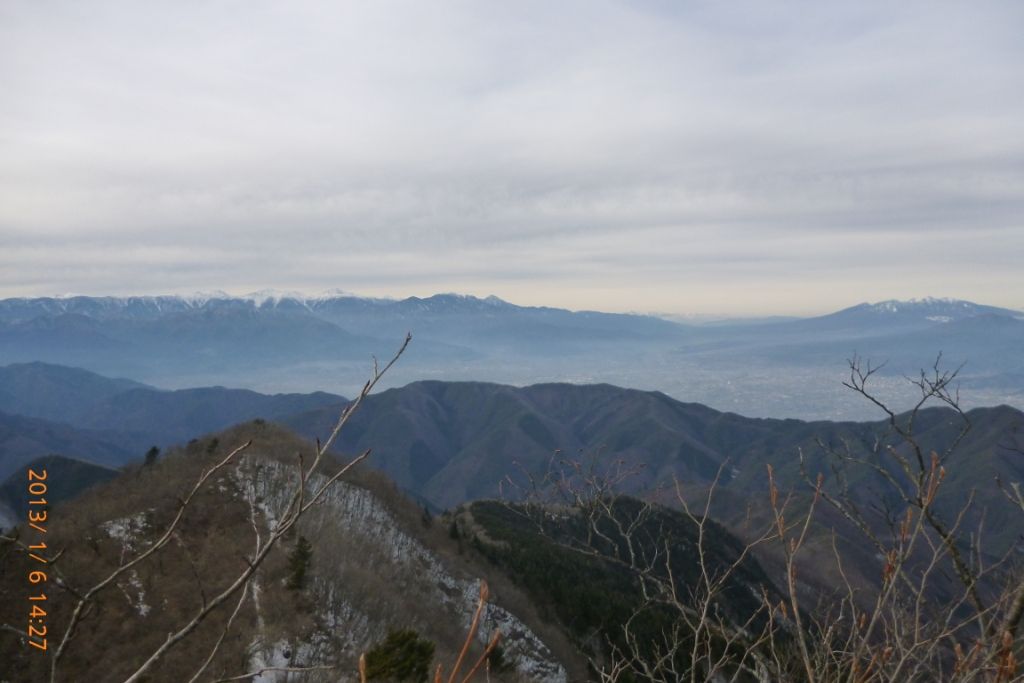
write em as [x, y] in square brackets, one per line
[298, 563]
[403, 656]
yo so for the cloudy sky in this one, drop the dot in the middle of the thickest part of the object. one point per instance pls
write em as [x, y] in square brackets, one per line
[701, 157]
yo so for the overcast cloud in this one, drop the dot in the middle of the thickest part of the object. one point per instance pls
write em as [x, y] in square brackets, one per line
[726, 157]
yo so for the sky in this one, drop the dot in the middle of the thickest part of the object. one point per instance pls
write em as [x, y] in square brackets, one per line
[732, 158]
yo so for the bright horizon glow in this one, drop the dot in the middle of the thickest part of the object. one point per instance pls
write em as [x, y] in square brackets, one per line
[728, 159]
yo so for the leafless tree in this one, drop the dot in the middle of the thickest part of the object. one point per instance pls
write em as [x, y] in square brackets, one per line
[907, 632]
[706, 640]
[894, 627]
[310, 486]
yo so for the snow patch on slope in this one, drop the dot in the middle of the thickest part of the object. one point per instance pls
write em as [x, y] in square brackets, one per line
[362, 514]
[126, 529]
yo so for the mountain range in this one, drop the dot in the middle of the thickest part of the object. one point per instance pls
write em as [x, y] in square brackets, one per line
[453, 447]
[269, 342]
[447, 443]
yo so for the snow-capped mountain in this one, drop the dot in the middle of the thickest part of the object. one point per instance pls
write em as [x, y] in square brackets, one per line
[288, 341]
[931, 309]
[148, 307]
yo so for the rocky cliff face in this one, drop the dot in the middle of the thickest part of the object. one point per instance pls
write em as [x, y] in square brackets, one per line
[346, 623]
[379, 564]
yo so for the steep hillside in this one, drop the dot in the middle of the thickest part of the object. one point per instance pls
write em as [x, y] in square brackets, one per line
[584, 571]
[372, 549]
[451, 442]
[377, 565]
[454, 442]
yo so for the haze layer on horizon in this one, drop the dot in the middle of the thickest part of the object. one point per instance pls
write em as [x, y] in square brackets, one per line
[736, 158]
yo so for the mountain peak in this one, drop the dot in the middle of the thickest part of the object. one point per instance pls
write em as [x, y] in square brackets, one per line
[926, 302]
[931, 308]
[272, 297]
[198, 299]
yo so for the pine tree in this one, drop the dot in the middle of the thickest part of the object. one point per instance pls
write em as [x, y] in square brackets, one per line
[403, 656]
[298, 563]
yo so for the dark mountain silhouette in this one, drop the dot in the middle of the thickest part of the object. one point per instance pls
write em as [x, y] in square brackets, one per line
[56, 392]
[451, 442]
[66, 478]
[456, 441]
[23, 439]
[86, 400]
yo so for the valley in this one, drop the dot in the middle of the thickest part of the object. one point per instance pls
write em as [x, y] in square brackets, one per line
[281, 343]
[529, 487]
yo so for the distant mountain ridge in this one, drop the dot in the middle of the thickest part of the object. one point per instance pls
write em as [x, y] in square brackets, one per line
[23, 439]
[932, 307]
[272, 342]
[915, 312]
[23, 308]
[56, 392]
[15, 308]
[447, 443]
[450, 442]
[73, 412]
